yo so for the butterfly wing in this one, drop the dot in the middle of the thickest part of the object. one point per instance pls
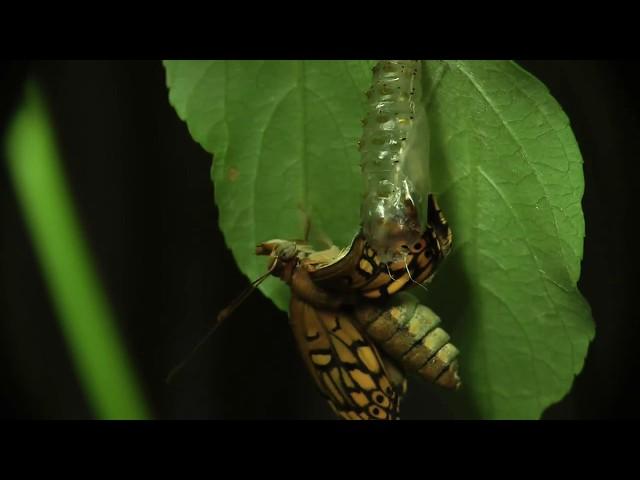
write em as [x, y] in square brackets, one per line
[347, 367]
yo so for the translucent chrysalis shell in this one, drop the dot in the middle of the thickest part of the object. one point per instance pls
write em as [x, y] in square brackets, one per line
[395, 159]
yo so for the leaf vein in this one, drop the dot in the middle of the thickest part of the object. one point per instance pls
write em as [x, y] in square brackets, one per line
[539, 270]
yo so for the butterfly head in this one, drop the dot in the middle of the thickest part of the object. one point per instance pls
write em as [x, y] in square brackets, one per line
[285, 255]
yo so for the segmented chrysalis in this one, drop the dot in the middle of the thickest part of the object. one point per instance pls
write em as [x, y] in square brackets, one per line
[404, 235]
[395, 159]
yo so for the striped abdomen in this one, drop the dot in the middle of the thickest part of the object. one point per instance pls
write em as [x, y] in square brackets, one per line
[410, 334]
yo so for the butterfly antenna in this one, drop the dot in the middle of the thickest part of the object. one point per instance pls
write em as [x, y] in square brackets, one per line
[226, 312]
[222, 316]
[389, 271]
[406, 266]
[175, 370]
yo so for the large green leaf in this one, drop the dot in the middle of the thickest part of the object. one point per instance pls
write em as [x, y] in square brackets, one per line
[283, 135]
[509, 177]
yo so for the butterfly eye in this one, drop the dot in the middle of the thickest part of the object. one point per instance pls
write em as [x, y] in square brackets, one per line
[419, 246]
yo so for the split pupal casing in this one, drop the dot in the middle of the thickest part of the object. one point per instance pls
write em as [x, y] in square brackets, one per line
[394, 157]
[410, 333]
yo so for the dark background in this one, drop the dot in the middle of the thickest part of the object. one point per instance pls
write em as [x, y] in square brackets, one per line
[142, 190]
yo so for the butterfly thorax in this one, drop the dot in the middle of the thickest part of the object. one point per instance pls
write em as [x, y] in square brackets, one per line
[360, 269]
[292, 261]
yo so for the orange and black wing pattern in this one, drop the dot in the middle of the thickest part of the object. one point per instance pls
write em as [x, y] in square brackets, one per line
[345, 364]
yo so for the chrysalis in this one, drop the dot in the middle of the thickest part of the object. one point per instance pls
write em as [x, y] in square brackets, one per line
[356, 334]
[395, 159]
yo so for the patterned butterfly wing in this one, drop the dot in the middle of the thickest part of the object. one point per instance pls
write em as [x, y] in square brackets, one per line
[356, 380]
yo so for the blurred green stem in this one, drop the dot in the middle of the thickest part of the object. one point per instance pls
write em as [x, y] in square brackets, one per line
[81, 304]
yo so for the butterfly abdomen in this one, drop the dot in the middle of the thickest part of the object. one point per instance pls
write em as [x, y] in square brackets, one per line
[410, 333]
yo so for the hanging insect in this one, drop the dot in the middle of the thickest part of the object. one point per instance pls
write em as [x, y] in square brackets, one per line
[357, 350]
[404, 237]
[358, 381]
[356, 334]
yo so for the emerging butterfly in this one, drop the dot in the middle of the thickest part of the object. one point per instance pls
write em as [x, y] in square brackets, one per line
[356, 335]
[357, 349]
[358, 381]
[361, 269]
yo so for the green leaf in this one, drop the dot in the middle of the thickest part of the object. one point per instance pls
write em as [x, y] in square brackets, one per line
[82, 307]
[508, 173]
[284, 136]
[511, 181]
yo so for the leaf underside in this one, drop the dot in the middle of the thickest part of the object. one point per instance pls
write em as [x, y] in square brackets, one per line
[507, 171]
